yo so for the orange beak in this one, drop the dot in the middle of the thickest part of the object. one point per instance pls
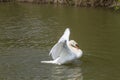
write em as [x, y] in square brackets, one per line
[77, 46]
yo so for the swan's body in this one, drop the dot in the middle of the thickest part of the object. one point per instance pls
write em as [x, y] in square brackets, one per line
[64, 50]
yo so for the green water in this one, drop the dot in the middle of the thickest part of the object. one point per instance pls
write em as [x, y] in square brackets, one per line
[28, 32]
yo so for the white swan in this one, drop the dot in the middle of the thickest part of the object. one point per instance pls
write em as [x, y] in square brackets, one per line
[64, 50]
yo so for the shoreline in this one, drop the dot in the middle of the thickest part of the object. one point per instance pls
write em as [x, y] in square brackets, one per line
[76, 3]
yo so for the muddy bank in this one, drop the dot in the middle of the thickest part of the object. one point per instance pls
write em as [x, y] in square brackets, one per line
[79, 3]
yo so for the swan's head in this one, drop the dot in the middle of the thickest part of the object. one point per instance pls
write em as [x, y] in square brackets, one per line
[74, 44]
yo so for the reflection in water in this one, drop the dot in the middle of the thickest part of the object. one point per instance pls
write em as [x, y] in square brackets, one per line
[67, 72]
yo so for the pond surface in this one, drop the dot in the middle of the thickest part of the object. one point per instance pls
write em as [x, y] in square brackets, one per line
[28, 32]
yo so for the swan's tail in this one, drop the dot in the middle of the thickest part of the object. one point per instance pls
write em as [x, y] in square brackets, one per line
[51, 62]
[48, 62]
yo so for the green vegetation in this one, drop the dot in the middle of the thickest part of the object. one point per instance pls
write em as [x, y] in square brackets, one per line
[117, 7]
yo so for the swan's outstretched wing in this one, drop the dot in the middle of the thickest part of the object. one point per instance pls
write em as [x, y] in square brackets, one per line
[65, 36]
[58, 47]
[66, 54]
[56, 50]
[63, 53]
